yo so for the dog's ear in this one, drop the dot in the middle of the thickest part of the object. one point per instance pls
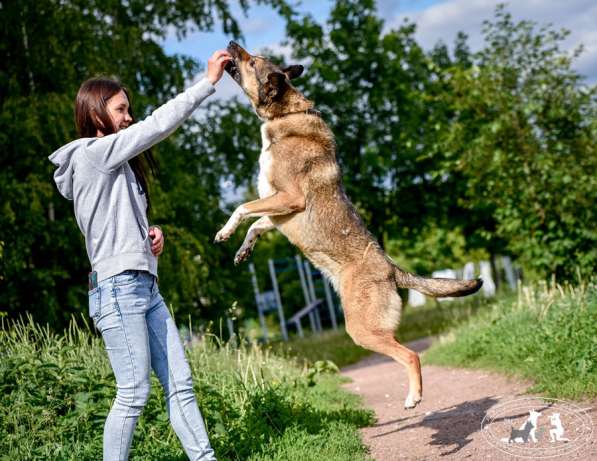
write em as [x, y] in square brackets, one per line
[274, 86]
[276, 79]
[294, 71]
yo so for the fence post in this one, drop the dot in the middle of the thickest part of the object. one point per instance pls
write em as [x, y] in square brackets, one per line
[329, 302]
[316, 317]
[299, 266]
[230, 326]
[258, 301]
[272, 272]
[310, 281]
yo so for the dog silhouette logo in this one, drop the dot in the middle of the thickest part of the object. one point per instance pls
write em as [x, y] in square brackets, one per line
[536, 427]
[558, 429]
[526, 431]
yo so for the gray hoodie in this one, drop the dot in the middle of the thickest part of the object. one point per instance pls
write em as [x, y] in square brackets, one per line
[110, 206]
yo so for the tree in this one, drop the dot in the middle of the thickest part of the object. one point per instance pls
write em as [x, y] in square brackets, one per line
[521, 135]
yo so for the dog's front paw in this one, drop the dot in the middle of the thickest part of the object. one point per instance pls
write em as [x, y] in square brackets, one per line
[222, 235]
[242, 254]
[411, 401]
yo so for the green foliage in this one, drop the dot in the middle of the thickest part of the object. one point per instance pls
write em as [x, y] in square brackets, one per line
[435, 318]
[546, 335]
[333, 346]
[435, 248]
[56, 391]
[521, 136]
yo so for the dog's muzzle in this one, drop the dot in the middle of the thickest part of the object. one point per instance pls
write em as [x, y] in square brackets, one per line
[231, 66]
[233, 71]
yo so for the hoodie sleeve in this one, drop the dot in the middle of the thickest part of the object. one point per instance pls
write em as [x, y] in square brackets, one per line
[109, 152]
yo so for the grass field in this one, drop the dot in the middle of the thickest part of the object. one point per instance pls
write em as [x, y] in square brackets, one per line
[548, 334]
[56, 391]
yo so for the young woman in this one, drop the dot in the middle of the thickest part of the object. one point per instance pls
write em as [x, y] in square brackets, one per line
[102, 173]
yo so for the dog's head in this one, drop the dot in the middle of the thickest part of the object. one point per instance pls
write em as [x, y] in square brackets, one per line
[266, 84]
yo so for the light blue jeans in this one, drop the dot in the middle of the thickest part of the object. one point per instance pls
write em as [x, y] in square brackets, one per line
[139, 334]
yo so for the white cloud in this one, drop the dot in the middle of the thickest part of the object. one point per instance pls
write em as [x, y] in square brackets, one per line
[443, 20]
[279, 50]
[255, 25]
[387, 8]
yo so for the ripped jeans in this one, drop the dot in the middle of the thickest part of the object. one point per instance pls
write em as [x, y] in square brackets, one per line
[139, 334]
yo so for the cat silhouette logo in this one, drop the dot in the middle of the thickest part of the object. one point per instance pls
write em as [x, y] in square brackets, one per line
[536, 427]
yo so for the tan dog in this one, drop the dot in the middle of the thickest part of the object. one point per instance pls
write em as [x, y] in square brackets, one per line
[301, 194]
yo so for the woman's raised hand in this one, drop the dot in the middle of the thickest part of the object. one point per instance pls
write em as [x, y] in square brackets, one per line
[215, 65]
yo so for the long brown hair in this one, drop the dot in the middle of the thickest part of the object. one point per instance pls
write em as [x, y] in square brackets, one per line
[91, 107]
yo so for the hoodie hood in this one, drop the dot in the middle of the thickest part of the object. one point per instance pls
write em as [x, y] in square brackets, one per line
[63, 159]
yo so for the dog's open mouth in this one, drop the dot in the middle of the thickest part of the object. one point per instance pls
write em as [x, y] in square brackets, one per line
[233, 71]
[231, 66]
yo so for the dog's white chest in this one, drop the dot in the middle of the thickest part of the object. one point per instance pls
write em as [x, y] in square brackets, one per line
[264, 186]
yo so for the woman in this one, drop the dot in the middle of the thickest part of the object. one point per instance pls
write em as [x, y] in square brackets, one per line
[102, 173]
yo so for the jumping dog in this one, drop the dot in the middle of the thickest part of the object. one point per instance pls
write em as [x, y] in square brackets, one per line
[301, 195]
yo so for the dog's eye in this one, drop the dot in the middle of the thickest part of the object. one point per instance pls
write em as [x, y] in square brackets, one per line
[252, 63]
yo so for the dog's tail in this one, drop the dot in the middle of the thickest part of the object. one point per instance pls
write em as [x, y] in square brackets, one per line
[436, 287]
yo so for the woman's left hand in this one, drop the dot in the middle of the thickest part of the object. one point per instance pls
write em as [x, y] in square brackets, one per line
[157, 240]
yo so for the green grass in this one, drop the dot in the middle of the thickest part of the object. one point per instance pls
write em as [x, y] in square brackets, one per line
[434, 317]
[417, 322]
[334, 346]
[548, 334]
[56, 390]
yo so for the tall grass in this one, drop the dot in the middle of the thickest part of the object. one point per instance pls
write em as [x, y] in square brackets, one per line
[548, 334]
[56, 391]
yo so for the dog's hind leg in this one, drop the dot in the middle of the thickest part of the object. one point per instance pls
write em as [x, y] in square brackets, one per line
[258, 228]
[383, 342]
[372, 312]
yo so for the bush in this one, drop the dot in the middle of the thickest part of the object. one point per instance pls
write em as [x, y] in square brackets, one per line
[56, 391]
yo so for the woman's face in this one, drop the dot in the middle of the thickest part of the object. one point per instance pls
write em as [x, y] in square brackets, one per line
[118, 109]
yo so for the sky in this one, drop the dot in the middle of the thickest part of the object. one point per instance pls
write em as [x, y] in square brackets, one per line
[436, 20]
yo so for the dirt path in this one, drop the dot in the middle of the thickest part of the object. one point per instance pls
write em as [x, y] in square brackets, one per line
[447, 423]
